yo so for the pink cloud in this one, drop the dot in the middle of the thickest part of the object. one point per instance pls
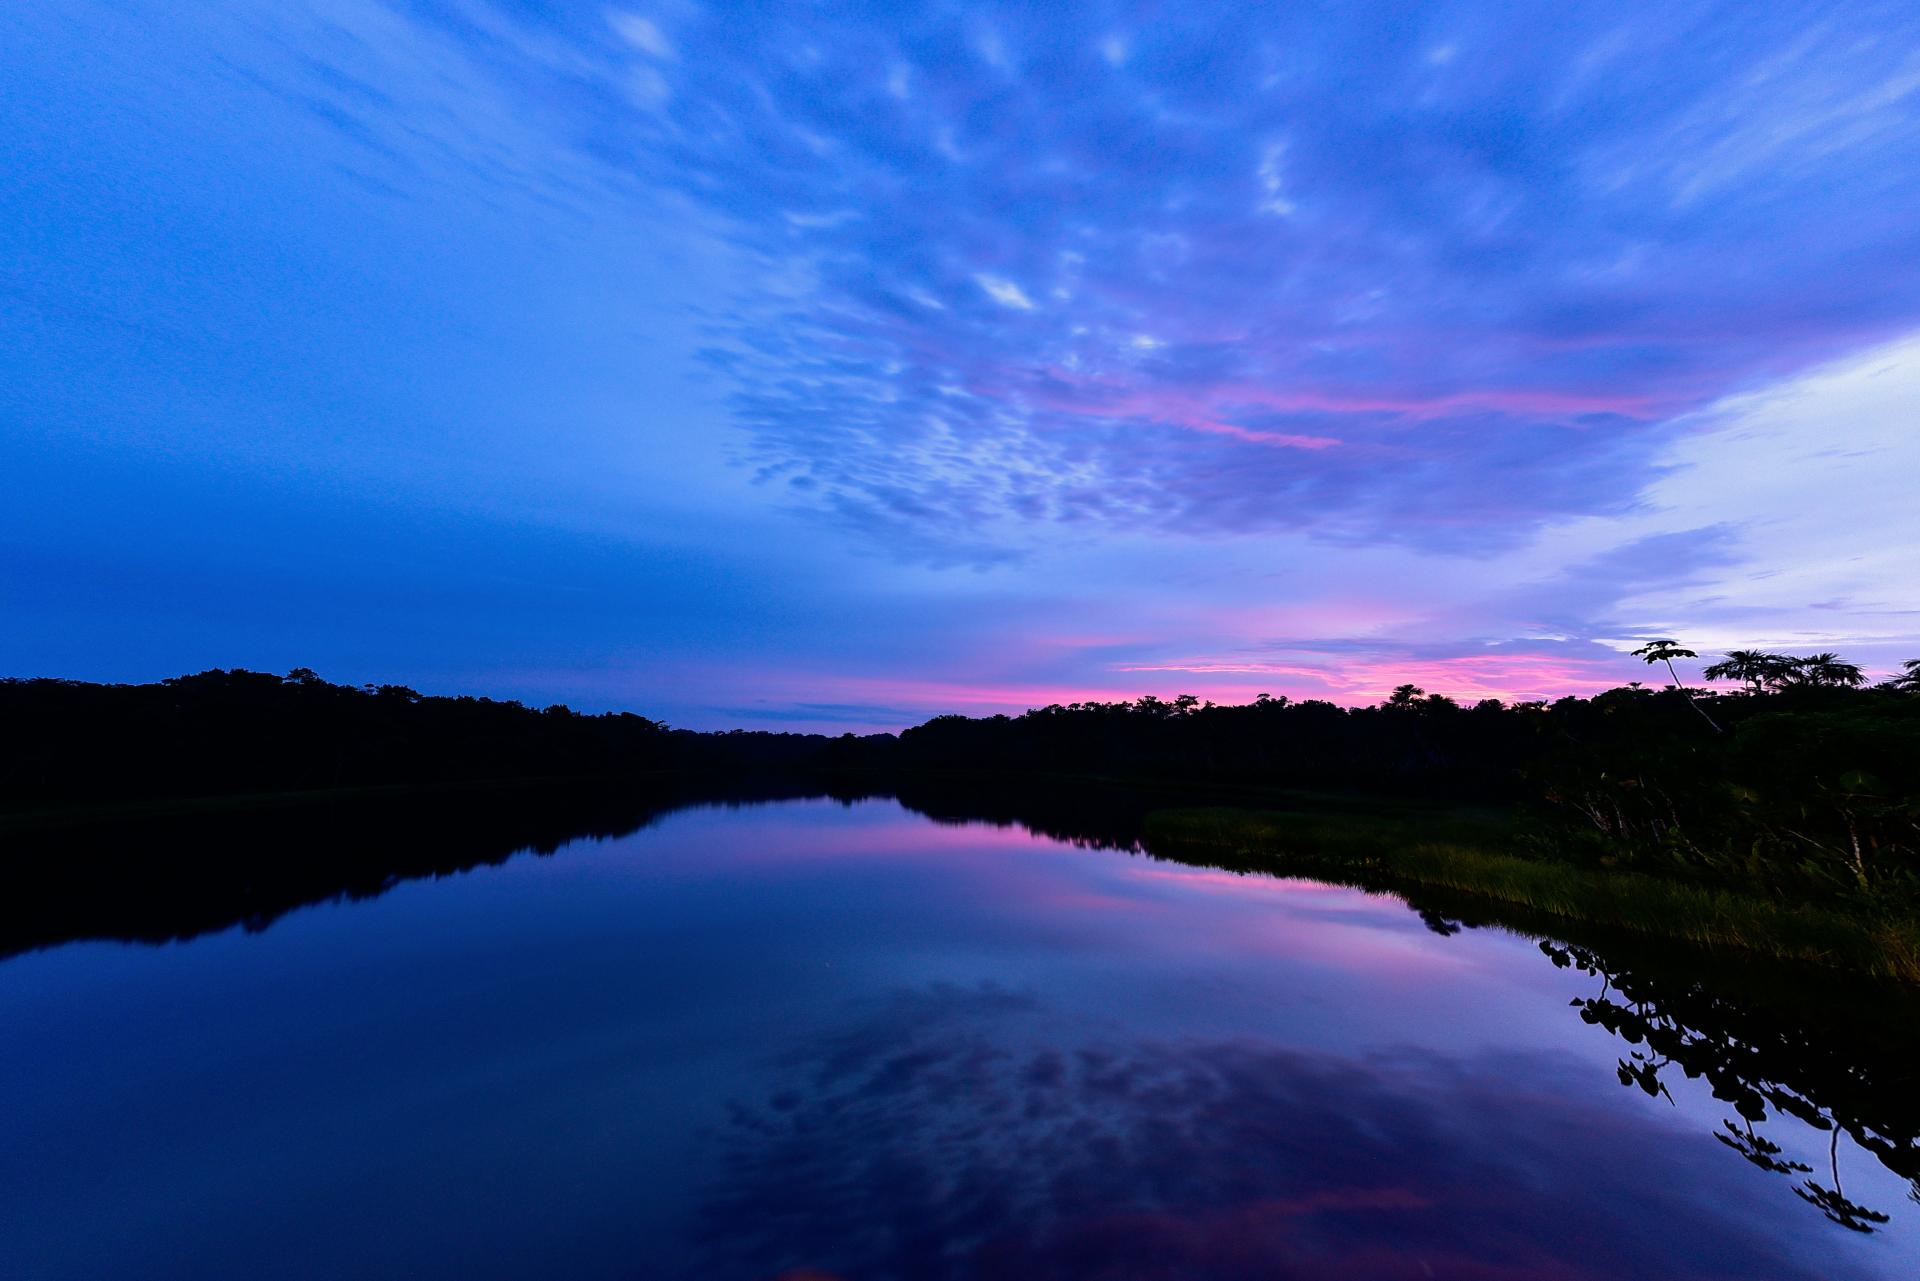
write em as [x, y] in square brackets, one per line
[1209, 409]
[1467, 677]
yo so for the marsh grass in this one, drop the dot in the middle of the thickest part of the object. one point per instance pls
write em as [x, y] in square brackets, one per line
[1465, 856]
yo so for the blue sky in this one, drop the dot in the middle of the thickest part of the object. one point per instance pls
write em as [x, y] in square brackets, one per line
[831, 366]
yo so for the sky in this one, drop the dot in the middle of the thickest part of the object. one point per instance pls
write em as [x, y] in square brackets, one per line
[831, 366]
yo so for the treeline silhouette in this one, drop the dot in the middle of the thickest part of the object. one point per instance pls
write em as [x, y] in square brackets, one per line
[1803, 782]
[237, 732]
[1802, 779]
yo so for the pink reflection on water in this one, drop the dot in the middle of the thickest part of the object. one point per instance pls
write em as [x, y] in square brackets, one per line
[1250, 883]
[1306, 921]
[985, 870]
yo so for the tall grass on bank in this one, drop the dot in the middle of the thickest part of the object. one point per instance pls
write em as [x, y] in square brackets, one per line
[1398, 852]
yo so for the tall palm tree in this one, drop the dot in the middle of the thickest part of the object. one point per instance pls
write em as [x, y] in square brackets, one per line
[1909, 681]
[1665, 650]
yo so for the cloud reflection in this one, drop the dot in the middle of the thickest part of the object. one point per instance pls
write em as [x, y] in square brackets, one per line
[950, 1133]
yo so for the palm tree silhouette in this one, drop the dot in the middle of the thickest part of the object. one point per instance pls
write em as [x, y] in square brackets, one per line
[1827, 670]
[1665, 650]
[1757, 668]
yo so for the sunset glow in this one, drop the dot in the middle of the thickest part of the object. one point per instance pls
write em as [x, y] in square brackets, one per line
[833, 367]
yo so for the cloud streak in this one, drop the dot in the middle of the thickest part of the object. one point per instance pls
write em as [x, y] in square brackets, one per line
[1453, 291]
[852, 362]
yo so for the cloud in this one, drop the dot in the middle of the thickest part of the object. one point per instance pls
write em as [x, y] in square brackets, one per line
[1817, 474]
[1756, 522]
[1495, 291]
[1499, 346]
[1276, 201]
[810, 716]
[642, 34]
[1004, 292]
[1568, 340]
[1777, 517]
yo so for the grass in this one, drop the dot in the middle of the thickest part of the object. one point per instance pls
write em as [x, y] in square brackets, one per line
[1466, 857]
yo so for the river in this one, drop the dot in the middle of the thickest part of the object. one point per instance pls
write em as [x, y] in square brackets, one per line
[819, 1038]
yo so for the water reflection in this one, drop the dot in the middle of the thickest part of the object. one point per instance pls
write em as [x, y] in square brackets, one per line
[164, 878]
[965, 1130]
[951, 1134]
[167, 877]
[1852, 1072]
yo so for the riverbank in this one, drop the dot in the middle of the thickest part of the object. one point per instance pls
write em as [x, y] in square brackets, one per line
[168, 867]
[1475, 858]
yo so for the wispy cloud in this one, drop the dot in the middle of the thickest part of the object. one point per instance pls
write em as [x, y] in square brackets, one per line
[1479, 257]
[1255, 349]
[1004, 292]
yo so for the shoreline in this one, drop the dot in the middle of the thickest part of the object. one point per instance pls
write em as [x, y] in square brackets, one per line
[1391, 858]
[1393, 843]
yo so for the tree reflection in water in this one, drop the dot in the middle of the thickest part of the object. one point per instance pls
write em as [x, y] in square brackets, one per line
[1836, 1076]
[954, 1132]
[1768, 1041]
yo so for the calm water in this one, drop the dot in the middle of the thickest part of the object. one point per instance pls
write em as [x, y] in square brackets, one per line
[827, 1040]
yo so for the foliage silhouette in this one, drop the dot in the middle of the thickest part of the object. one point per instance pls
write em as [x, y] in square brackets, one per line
[1806, 789]
[1758, 670]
